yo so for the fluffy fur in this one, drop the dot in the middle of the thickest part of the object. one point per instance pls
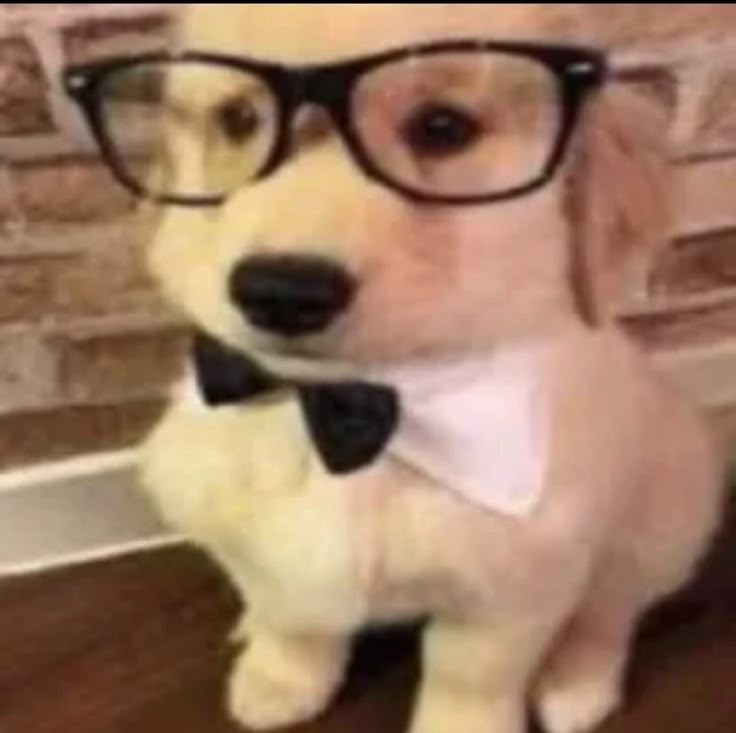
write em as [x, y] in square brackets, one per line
[541, 609]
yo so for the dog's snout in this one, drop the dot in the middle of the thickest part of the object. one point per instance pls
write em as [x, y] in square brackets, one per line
[291, 296]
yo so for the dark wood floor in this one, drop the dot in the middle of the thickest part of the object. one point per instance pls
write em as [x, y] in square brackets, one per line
[136, 646]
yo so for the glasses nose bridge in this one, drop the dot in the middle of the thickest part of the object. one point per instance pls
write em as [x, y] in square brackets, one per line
[323, 87]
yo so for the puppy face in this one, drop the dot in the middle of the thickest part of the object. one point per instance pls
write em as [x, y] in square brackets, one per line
[406, 279]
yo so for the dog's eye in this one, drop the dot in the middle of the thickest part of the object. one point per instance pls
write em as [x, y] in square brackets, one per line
[238, 119]
[439, 129]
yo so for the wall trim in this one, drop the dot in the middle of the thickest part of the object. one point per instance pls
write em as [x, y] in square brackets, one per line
[24, 478]
[75, 512]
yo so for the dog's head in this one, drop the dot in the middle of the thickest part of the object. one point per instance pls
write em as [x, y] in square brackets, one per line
[320, 260]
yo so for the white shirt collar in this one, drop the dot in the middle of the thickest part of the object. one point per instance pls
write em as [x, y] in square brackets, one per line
[478, 427]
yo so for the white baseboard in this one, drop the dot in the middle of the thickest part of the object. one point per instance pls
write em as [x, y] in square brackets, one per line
[74, 512]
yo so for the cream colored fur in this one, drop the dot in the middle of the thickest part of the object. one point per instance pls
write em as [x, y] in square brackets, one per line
[536, 610]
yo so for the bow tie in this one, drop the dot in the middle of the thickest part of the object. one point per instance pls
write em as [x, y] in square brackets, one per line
[350, 423]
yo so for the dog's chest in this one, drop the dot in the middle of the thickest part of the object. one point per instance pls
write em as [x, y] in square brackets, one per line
[471, 443]
[299, 556]
[347, 551]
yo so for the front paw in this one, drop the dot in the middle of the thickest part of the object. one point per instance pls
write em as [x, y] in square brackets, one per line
[261, 704]
[271, 694]
[456, 712]
[581, 688]
[578, 707]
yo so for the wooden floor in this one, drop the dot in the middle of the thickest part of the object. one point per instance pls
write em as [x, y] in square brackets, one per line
[136, 646]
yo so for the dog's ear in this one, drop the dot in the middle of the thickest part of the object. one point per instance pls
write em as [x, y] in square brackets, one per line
[620, 198]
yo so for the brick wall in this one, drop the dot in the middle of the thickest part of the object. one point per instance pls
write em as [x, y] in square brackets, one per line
[86, 349]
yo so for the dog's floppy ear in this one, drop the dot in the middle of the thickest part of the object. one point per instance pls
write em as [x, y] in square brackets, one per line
[620, 196]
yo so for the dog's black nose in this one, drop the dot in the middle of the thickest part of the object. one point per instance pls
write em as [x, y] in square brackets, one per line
[291, 296]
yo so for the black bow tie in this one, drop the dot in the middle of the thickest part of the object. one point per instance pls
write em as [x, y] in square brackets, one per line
[351, 423]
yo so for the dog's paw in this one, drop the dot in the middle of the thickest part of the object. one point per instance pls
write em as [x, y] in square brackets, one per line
[579, 706]
[263, 701]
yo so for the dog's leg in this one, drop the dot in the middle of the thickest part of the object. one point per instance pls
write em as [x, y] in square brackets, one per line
[582, 684]
[476, 677]
[284, 680]
[583, 681]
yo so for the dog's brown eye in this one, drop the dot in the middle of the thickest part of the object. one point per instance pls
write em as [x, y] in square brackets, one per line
[439, 129]
[238, 119]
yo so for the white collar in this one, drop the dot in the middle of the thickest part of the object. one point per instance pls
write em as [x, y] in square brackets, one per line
[479, 427]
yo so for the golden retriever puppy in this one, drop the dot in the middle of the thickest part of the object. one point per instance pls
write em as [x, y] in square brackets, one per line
[444, 199]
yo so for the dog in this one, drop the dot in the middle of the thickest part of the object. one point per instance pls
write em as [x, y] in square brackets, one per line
[533, 599]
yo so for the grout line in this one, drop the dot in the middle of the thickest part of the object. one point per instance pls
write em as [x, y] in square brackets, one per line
[673, 306]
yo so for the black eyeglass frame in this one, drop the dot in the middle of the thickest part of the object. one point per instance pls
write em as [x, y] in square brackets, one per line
[579, 71]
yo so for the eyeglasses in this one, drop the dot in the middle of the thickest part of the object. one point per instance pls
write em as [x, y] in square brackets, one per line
[461, 122]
